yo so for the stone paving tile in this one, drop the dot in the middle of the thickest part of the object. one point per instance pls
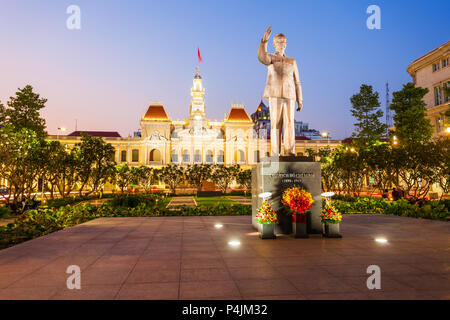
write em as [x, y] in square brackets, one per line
[187, 258]
[249, 288]
[205, 274]
[146, 275]
[98, 292]
[42, 293]
[149, 291]
[208, 289]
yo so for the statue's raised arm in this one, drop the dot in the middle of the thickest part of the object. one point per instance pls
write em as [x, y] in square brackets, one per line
[262, 50]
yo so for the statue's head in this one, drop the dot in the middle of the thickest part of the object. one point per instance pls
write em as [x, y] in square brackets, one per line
[279, 42]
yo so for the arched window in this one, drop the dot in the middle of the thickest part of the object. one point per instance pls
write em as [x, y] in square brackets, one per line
[197, 156]
[241, 156]
[209, 156]
[155, 155]
[174, 156]
[220, 158]
[186, 157]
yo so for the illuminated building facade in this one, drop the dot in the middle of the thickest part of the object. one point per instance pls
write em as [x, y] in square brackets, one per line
[195, 139]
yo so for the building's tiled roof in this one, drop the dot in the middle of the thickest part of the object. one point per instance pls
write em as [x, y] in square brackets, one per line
[262, 106]
[238, 115]
[107, 134]
[156, 112]
[301, 138]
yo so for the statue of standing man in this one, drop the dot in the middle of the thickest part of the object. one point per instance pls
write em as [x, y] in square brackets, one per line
[282, 90]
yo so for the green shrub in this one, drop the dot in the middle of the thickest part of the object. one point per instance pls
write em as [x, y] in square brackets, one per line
[5, 212]
[437, 210]
[62, 202]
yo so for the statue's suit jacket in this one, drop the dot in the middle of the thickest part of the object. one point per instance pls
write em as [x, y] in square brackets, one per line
[283, 80]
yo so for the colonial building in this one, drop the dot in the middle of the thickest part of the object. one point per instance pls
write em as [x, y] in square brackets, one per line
[195, 139]
[432, 71]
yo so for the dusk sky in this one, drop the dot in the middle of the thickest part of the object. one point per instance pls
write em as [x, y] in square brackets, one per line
[129, 53]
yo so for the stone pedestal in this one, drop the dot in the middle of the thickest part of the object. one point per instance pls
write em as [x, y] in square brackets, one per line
[274, 175]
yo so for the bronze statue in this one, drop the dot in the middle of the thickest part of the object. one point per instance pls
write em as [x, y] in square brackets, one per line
[282, 90]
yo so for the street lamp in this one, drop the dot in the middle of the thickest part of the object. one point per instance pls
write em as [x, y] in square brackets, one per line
[326, 134]
[62, 129]
[395, 142]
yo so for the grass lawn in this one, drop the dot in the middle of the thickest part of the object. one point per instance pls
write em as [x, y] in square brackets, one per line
[211, 201]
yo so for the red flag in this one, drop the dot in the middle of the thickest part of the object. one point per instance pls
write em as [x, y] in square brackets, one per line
[199, 55]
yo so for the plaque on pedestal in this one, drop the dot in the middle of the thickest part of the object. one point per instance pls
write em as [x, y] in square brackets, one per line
[276, 175]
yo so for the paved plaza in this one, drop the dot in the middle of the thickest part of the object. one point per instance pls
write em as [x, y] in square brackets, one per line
[187, 201]
[189, 258]
[240, 199]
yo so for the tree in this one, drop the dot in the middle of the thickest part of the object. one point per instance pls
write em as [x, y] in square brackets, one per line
[442, 156]
[380, 165]
[60, 167]
[244, 178]
[366, 110]
[172, 175]
[20, 163]
[411, 126]
[148, 177]
[96, 163]
[349, 169]
[223, 176]
[123, 176]
[197, 173]
[23, 112]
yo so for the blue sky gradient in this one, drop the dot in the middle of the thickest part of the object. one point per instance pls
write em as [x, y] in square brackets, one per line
[129, 53]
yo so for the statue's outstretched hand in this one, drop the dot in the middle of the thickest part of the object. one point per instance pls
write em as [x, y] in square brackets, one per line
[267, 34]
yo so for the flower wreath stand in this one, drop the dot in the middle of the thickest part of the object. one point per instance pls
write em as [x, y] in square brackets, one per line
[299, 226]
[267, 218]
[331, 218]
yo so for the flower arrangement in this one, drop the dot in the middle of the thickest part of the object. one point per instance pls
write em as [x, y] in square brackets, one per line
[266, 214]
[330, 214]
[298, 200]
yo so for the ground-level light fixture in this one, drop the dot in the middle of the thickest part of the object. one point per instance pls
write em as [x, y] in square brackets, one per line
[381, 240]
[447, 130]
[234, 243]
[218, 225]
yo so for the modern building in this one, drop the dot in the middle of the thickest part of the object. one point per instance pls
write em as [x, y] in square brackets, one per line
[196, 139]
[432, 71]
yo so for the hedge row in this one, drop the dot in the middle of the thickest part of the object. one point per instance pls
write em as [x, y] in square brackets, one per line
[436, 210]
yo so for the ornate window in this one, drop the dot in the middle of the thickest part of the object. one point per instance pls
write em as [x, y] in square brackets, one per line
[123, 156]
[174, 156]
[186, 157]
[209, 156]
[197, 156]
[437, 96]
[135, 155]
[220, 158]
